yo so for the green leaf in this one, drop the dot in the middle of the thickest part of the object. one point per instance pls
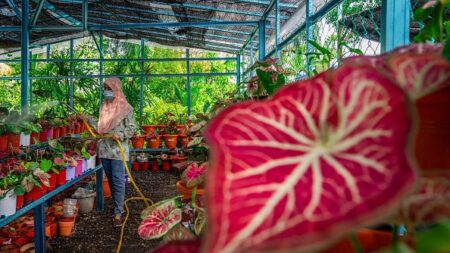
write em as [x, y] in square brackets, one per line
[19, 190]
[323, 50]
[46, 165]
[422, 14]
[446, 50]
[435, 239]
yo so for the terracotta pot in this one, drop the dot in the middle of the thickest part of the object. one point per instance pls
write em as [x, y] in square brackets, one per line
[181, 129]
[144, 166]
[106, 189]
[14, 140]
[370, 241]
[148, 129]
[52, 181]
[56, 133]
[166, 165]
[76, 127]
[154, 142]
[3, 143]
[66, 227]
[19, 202]
[184, 140]
[35, 136]
[186, 192]
[135, 166]
[62, 131]
[432, 146]
[138, 142]
[61, 177]
[170, 140]
[154, 165]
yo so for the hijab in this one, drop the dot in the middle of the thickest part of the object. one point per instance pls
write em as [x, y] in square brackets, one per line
[113, 112]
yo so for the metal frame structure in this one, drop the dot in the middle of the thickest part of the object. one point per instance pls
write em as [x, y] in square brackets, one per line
[393, 34]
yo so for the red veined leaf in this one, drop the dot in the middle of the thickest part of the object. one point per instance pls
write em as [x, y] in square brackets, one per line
[431, 202]
[160, 221]
[321, 157]
[182, 246]
[179, 232]
[194, 174]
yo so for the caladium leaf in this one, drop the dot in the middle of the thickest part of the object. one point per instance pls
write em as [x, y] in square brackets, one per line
[147, 211]
[194, 174]
[200, 221]
[179, 232]
[182, 246]
[431, 202]
[43, 177]
[322, 156]
[160, 221]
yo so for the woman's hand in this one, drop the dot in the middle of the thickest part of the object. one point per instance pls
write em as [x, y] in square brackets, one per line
[115, 137]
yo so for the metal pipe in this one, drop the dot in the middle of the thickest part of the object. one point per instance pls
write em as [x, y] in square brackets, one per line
[37, 12]
[85, 13]
[277, 27]
[141, 87]
[25, 43]
[188, 82]
[101, 69]
[395, 24]
[309, 33]
[262, 40]
[71, 89]
[16, 10]
[238, 70]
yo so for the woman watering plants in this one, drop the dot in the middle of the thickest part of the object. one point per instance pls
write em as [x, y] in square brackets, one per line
[117, 122]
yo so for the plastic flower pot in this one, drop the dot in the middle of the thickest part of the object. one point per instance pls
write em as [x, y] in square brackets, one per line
[154, 165]
[3, 143]
[34, 136]
[184, 140]
[186, 192]
[56, 133]
[170, 140]
[148, 129]
[52, 181]
[181, 129]
[50, 133]
[144, 166]
[66, 227]
[43, 135]
[432, 147]
[135, 166]
[14, 140]
[62, 131]
[91, 163]
[8, 204]
[86, 204]
[34, 194]
[61, 177]
[70, 173]
[79, 168]
[138, 142]
[166, 165]
[19, 202]
[106, 189]
[84, 165]
[154, 142]
[25, 139]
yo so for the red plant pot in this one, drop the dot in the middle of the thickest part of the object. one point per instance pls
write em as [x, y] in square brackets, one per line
[62, 131]
[432, 147]
[3, 143]
[43, 135]
[144, 166]
[61, 177]
[170, 140]
[166, 165]
[148, 129]
[184, 140]
[138, 142]
[34, 136]
[154, 165]
[181, 129]
[19, 202]
[56, 133]
[34, 194]
[154, 142]
[14, 140]
[76, 128]
[135, 166]
[52, 181]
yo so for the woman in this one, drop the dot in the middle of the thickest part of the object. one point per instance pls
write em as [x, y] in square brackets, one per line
[116, 120]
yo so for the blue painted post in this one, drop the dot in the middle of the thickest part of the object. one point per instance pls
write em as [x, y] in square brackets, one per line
[39, 228]
[188, 82]
[48, 53]
[309, 33]
[101, 69]
[238, 70]
[141, 87]
[85, 14]
[277, 28]
[25, 44]
[99, 189]
[31, 81]
[252, 59]
[262, 40]
[71, 77]
[395, 24]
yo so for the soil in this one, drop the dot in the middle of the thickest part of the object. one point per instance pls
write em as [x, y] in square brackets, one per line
[94, 232]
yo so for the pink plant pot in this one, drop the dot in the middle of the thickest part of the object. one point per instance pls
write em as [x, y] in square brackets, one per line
[79, 168]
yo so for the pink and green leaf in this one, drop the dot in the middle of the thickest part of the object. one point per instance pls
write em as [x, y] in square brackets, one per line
[160, 221]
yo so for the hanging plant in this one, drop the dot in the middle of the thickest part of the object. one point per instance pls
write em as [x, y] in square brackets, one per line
[323, 156]
[158, 223]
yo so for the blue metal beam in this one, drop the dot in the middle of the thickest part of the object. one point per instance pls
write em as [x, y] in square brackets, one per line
[37, 12]
[25, 43]
[16, 10]
[71, 89]
[129, 60]
[99, 199]
[309, 32]
[59, 14]
[277, 27]
[85, 12]
[141, 87]
[262, 40]
[39, 228]
[284, 5]
[395, 23]
[188, 82]
[238, 70]
[101, 70]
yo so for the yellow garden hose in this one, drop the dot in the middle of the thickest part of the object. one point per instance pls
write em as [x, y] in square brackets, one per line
[147, 201]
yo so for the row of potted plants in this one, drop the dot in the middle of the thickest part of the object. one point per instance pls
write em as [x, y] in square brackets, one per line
[144, 162]
[22, 181]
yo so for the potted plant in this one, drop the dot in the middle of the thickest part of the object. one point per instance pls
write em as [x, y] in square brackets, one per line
[10, 188]
[47, 167]
[170, 132]
[153, 139]
[166, 163]
[138, 140]
[35, 181]
[270, 76]
[28, 128]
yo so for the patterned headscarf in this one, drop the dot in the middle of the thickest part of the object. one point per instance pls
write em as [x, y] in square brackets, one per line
[113, 112]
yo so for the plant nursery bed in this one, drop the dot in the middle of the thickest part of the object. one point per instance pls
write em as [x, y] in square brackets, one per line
[94, 232]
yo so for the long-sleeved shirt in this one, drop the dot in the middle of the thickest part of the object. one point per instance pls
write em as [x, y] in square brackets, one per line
[107, 148]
